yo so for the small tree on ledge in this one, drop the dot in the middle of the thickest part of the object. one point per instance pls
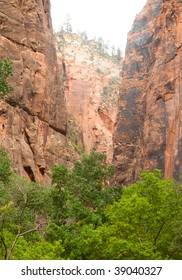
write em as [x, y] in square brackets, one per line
[6, 70]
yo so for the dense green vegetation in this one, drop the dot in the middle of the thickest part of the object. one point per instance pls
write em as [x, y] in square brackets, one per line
[82, 216]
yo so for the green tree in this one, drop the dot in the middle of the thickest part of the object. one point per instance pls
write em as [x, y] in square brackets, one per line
[85, 189]
[119, 54]
[35, 248]
[67, 25]
[113, 51]
[80, 197]
[83, 35]
[5, 167]
[82, 216]
[144, 224]
[21, 203]
[6, 70]
[106, 47]
[100, 45]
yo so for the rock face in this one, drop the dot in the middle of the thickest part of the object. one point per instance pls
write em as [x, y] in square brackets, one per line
[33, 117]
[148, 132]
[91, 80]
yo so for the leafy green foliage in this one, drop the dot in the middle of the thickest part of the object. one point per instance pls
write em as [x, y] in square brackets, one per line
[141, 225]
[5, 167]
[84, 190]
[33, 248]
[6, 70]
[82, 216]
[21, 203]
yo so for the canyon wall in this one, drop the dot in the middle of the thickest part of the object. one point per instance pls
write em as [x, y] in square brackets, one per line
[33, 117]
[148, 132]
[91, 80]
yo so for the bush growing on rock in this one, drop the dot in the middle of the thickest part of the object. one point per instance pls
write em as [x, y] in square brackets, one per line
[6, 70]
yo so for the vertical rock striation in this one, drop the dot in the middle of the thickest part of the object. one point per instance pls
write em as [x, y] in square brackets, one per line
[33, 117]
[148, 132]
[91, 78]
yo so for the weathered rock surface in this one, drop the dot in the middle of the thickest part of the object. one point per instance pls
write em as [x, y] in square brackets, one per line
[91, 80]
[33, 118]
[148, 132]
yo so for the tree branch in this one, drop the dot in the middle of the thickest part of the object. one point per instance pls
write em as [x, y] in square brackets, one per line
[5, 247]
[159, 231]
[21, 234]
[31, 230]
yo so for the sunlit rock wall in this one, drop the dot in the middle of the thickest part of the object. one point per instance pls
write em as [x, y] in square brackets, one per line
[33, 118]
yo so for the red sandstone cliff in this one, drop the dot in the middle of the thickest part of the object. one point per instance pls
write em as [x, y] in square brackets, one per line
[33, 118]
[91, 80]
[148, 132]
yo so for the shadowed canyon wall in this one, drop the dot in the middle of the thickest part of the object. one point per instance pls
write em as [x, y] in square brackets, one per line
[33, 117]
[148, 132]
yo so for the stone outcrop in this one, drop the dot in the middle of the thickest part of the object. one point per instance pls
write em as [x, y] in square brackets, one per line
[91, 80]
[33, 117]
[148, 132]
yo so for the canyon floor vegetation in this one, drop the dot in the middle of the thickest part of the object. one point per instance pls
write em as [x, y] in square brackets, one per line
[83, 216]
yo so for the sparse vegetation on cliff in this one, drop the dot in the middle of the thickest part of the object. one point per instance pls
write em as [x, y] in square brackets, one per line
[91, 80]
[6, 70]
[82, 216]
[102, 47]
